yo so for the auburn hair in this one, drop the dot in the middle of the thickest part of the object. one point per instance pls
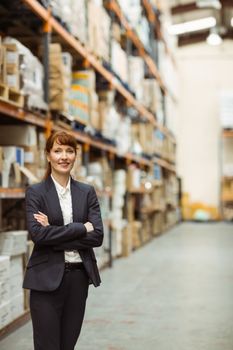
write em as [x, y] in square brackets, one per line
[62, 138]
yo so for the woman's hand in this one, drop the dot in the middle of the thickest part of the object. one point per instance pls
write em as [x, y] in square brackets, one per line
[41, 218]
[89, 226]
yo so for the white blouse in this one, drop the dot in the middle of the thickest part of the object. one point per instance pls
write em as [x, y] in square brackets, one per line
[64, 195]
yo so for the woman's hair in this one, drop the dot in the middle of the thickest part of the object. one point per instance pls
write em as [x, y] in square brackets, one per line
[62, 138]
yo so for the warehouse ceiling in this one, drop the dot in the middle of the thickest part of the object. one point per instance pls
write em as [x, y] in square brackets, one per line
[187, 10]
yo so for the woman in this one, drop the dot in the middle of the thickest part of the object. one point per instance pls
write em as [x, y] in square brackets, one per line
[64, 222]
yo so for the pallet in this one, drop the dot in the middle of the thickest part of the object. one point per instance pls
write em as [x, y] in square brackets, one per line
[11, 95]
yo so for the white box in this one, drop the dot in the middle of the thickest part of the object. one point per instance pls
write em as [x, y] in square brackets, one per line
[17, 306]
[4, 267]
[5, 314]
[4, 291]
[16, 265]
[13, 242]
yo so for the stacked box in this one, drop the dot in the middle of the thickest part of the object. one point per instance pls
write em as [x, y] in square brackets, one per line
[127, 241]
[98, 30]
[83, 102]
[4, 280]
[143, 32]
[12, 159]
[136, 227]
[13, 243]
[5, 312]
[56, 81]
[118, 223]
[123, 136]
[67, 78]
[95, 171]
[73, 14]
[151, 93]
[26, 138]
[31, 73]
[136, 75]
[119, 61]
[144, 134]
[16, 282]
[78, 20]
[12, 64]
[158, 223]
[3, 73]
[133, 178]
[132, 9]
[158, 142]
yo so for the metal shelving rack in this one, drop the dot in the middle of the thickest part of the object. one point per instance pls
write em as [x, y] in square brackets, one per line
[50, 24]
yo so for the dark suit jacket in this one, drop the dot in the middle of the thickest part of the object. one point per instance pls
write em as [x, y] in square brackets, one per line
[46, 265]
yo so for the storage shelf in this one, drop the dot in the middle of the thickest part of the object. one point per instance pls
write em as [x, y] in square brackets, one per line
[164, 164]
[113, 6]
[12, 192]
[153, 19]
[44, 14]
[227, 198]
[20, 114]
[10, 110]
[227, 133]
[150, 210]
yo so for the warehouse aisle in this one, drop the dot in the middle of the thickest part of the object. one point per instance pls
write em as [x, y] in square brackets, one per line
[173, 294]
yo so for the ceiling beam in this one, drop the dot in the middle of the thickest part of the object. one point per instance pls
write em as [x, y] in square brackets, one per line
[192, 6]
[194, 38]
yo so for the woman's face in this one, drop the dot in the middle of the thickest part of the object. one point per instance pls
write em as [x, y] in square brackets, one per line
[61, 158]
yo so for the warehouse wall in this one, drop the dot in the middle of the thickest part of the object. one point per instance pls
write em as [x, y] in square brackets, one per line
[203, 72]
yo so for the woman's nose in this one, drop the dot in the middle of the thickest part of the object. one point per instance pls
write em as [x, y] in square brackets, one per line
[64, 155]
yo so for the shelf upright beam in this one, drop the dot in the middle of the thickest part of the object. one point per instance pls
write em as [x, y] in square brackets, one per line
[47, 29]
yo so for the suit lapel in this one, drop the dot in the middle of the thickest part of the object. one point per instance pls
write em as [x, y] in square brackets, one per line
[54, 208]
[78, 200]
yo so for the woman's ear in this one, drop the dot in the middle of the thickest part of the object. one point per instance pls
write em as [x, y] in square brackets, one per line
[48, 157]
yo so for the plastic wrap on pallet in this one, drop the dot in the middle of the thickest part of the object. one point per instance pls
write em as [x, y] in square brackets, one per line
[31, 75]
[143, 32]
[119, 61]
[98, 30]
[132, 9]
[136, 75]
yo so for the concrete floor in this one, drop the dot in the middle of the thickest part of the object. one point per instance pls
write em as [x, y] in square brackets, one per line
[175, 293]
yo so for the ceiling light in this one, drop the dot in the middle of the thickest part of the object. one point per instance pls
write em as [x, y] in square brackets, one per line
[214, 39]
[192, 26]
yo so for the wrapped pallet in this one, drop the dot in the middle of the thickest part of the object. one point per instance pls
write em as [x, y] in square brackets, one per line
[25, 72]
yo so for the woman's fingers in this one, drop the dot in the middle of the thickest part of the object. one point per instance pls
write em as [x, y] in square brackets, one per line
[41, 218]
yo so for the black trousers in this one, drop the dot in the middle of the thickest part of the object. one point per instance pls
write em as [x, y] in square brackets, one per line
[57, 316]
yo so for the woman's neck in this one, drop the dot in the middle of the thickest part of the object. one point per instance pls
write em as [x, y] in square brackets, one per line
[61, 179]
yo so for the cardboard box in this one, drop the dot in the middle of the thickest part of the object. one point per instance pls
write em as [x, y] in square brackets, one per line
[4, 291]
[5, 314]
[17, 305]
[19, 135]
[13, 242]
[4, 268]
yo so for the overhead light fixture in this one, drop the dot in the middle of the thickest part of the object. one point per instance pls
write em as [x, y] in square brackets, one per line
[209, 3]
[192, 26]
[214, 39]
